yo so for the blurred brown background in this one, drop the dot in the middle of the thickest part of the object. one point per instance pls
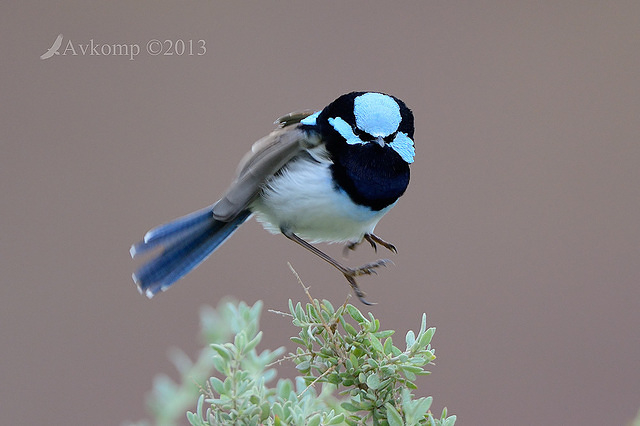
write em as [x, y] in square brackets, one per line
[518, 235]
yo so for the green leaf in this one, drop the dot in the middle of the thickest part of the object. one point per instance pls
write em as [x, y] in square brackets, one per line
[350, 329]
[425, 338]
[393, 417]
[312, 312]
[265, 409]
[303, 366]
[411, 368]
[384, 334]
[389, 369]
[336, 420]
[314, 420]
[349, 407]
[373, 381]
[395, 351]
[451, 421]
[326, 316]
[333, 378]
[423, 323]
[240, 340]
[388, 346]
[356, 314]
[409, 375]
[194, 420]
[410, 338]
[354, 360]
[375, 322]
[410, 385]
[348, 365]
[328, 306]
[348, 381]
[418, 408]
[375, 343]
[297, 340]
[278, 410]
[386, 382]
[284, 389]
[222, 351]
[326, 351]
[220, 365]
[217, 385]
[253, 342]
[299, 312]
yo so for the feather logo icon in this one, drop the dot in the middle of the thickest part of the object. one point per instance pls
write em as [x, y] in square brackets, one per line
[53, 50]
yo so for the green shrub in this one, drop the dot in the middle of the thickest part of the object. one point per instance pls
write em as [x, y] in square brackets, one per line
[351, 372]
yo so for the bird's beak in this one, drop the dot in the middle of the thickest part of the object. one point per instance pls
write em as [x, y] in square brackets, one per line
[380, 141]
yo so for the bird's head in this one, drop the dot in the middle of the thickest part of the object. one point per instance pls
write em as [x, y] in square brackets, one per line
[361, 118]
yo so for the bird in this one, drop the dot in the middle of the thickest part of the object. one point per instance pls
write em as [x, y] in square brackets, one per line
[53, 50]
[326, 176]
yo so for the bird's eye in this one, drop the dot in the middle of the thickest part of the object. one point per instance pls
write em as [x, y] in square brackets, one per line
[364, 136]
[391, 137]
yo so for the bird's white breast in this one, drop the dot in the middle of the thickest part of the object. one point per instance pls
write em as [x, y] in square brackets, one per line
[303, 199]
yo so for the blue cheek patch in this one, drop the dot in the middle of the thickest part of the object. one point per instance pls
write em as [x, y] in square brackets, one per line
[345, 131]
[403, 145]
[311, 120]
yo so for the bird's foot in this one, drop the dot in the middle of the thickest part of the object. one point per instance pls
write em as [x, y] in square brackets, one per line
[373, 240]
[350, 274]
[368, 269]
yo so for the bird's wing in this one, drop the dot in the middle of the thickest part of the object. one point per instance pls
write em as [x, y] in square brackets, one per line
[293, 118]
[266, 157]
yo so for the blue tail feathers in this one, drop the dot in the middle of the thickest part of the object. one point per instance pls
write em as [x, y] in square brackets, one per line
[186, 243]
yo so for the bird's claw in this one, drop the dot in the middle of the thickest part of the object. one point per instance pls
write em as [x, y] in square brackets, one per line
[359, 293]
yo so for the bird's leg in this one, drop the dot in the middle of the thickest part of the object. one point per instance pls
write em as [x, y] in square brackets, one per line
[372, 239]
[349, 273]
